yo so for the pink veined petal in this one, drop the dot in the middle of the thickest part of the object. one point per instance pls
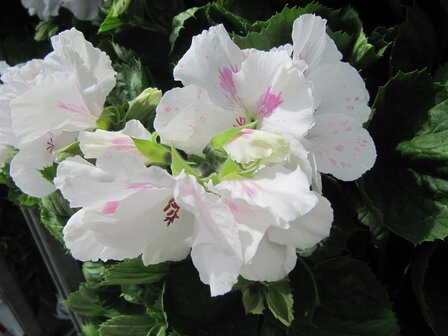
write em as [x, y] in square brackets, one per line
[341, 146]
[210, 63]
[216, 250]
[186, 118]
[341, 90]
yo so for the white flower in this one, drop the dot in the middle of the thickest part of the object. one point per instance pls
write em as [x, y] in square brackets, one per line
[341, 146]
[69, 93]
[129, 209]
[82, 9]
[95, 144]
[45, 103]
[313, 100]
[226, 88]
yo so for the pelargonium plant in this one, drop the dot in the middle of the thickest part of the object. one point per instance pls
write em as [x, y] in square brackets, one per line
[227, 179]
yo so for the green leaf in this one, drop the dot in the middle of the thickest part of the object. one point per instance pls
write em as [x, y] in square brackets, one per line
[112, 117]
[428, 283]
[253, 299]
[279, 300]
[178, 24]
[86, 301]
[431, 144]
[110, 22]
[134, 272]
[52, 222]
[178, 164]
[49, 172]
[353, 303]
[93, 271]
[127, 325]
[416, 44]
[90, 329]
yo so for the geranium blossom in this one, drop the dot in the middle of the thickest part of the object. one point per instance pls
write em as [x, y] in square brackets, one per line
[227, 87]
[82, 9]
[45, 103]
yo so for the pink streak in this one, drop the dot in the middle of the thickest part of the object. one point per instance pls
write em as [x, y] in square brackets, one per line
[110, 208]
[79, 110]
[123, 144]
[141, 186]
[268, 103]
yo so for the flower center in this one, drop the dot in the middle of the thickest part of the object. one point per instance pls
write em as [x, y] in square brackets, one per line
[171, 210]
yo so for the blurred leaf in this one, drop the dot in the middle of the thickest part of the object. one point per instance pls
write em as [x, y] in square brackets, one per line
[133, 271]
[127, 325]
[353, 303]
[429, 284]
[280, 301]
[416, 44]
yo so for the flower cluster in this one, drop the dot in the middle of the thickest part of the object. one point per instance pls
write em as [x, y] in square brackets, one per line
[235, 179]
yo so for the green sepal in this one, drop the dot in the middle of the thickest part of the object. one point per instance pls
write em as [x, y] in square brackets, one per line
[112, 117]
[144, 104]
[228, 135]
[178, 164]
[154, 152]
[229, 167]
[67, 151]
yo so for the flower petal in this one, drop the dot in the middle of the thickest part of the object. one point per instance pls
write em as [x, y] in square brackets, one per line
[216, 250]
[210, 63]
[83, 9]
[187, 119]
[308, 230]
[341, 146]
[341, 90]
[311, 42]
[286, 194]
[56, 104]
[272, 262]
[117, 175]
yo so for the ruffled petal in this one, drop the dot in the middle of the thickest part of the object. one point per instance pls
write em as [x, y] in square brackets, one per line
[311, 42]
[286, 194]
[210, 63]
[308, 230]
[341, 146]
[117, 175]
[341, 90]
[272, 262]
[42, 8]
[187, 119]
[216, 250]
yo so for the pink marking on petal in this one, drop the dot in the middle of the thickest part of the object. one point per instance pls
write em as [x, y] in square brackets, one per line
[339, 148]
[357, 149]
[344, 123]
[79, 111]
[333, 161]
[348, 99]
[356, 98]
[250, 190]
[231, 204]
[364, 141]
[343, 164]
[203, 119]
[350, 107]
[168, 109]
[110, 208]
[181, 65]
[268, 103]
[349, 165]
[245, 133]
[226, 82]
[123, 144]
[141, 186]
[348, 129]
[330, 124]
[320, 154]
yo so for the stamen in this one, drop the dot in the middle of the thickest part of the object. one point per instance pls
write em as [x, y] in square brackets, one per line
[171, 210]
